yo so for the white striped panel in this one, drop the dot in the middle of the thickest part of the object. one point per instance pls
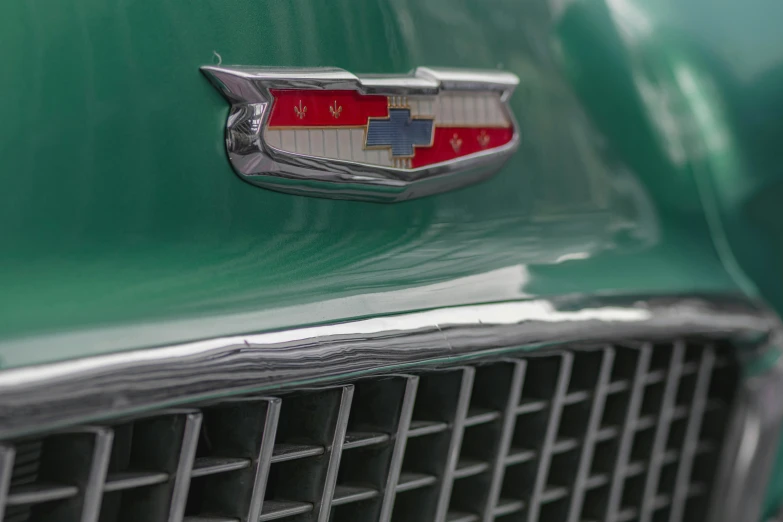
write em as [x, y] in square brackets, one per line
[317, 142]
[344, 150]
[330, 144]
[446, 113]
[357, 145]
[288, 140]
[481, 110]
[470, 108]
[458, 108]
[302, 141]
[272, 137]
[346, 144]
[476, 109]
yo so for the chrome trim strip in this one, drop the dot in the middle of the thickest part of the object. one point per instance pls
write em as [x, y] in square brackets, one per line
[44, 397]
[255, 161]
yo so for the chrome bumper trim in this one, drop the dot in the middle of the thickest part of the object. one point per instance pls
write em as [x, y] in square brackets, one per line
[46, 397]
[83, 390]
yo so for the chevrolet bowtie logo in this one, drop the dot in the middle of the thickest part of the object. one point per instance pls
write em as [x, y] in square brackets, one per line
[399, 132]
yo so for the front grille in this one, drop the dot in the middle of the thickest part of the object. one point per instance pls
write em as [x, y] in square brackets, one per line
[614, 433]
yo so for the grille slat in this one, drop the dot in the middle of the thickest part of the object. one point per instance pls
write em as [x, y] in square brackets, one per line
[627, 433]
[545, 455]
[468, 468]
[347, 494]
[608, 433]
[133, 479]
[599, 393]
[682, 488]
[274, 509]
[341, 427]
[508, 507]
[92, 489]
[458, 431]
[456, 516]
[409, 481]
[519, 456]
[210, 465]
[662, 431]
[360, 440]
[284, 452]
[39, 492]
[187, 456]
[503, 452]
[7, 454]
[421, 428]
[208, 519]
[394, 478]
[264, 459]
[476, 417]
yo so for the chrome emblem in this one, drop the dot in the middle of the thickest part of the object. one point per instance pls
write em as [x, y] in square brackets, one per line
[326, 132]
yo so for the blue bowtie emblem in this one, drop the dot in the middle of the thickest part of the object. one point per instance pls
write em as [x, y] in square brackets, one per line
[400, 132]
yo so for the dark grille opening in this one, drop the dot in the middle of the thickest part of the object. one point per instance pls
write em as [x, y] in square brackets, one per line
[607, 433]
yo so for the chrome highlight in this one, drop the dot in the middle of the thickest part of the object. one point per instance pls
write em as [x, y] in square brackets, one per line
[254, 160]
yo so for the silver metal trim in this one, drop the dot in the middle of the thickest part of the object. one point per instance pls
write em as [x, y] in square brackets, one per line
[698, 406]
[93, 489]
[52, 396]
[248, 91]
[504, 443]
[455, 444]
[7, 456]
[187, 455]
[545, 453]
[662, 431]
[81, 391]
[264, 461]
[624, 451]
[591, 437]
[324, 506]
[398, 452]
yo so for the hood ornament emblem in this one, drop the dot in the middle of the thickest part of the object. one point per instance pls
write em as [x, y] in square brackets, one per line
[328, 133]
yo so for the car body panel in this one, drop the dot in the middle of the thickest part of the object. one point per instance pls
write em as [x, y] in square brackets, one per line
[648, 165]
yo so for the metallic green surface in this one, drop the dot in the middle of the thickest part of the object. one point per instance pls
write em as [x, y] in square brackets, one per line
[648, 165]
[120, 209]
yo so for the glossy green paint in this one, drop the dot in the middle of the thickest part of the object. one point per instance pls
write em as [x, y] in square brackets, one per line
[648, 165]
[119, 208]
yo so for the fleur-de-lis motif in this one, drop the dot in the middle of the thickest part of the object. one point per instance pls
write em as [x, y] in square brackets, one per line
[456, 143]
[335, 110]
[483, 139]
[300, 111]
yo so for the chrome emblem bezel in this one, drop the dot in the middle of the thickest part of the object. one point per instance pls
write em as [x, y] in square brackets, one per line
[249, 89]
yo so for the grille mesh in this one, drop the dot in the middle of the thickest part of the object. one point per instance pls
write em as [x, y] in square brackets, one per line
[615, 433]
